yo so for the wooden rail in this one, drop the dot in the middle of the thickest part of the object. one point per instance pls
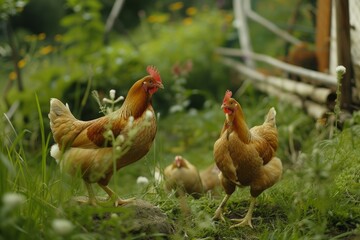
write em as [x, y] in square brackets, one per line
[318, 77]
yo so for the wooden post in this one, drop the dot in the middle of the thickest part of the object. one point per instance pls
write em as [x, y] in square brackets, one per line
[323, 23]
[243, 30]
[343, 50]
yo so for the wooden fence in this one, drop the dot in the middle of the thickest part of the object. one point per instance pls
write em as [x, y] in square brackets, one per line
[314, 90]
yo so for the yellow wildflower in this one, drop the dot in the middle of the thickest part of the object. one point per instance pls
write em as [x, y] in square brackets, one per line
[58, 37]
[46, 50]
[12, 76]
[30, 38]
[191, 11]
[21, 63]
[176, 6]
[229, 18]
[158, 18]
[41, 36]
[187, 21]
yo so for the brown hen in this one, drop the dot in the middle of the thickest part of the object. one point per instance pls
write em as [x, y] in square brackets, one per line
[183, 177]
[97, 148]
[246, 157]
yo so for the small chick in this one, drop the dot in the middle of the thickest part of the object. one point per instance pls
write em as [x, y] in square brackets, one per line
[183, 177]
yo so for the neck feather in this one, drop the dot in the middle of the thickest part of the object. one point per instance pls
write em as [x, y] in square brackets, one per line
[240, 126]
[136, 101]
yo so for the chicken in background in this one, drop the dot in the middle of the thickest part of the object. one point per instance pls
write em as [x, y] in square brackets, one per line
[302, 55]
[210, 178]
[183, 177]
[246, 157]
[94, 148]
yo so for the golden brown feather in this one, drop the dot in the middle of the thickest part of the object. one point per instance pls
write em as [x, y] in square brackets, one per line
[246, 157]
[210, 178]
[183, 177]
[82, 146]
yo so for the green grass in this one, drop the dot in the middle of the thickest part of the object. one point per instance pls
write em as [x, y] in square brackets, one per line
[317, 198]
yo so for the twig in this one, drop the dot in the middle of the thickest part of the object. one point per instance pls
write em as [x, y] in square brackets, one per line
[111, 19]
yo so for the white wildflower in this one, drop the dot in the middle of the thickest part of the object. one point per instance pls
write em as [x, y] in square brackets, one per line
[55, 152]
[108, 134]
[176, 108]
[193, 112]
[62, 226]
[142, 180]
[119, 99]
[119, 61]
[118, 149]
[20, 4]
[340, 69]
[157, 176]
[148, 114]
[120, 138]
[112, 94]
[12, 200]
[131, 120]
[106, 100]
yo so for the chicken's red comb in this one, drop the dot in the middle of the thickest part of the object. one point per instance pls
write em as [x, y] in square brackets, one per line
[154, 73]
[228, 95]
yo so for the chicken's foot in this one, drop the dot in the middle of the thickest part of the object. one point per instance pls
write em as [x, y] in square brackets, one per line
[91, 200]
[218, 212]
[247, 219]
[114, 198]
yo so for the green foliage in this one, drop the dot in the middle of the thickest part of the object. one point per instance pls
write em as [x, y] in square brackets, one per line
[194, 41]
[84, 28]
[10, 8]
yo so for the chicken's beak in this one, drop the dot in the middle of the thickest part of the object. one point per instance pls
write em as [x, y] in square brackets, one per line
[178, 161]
[226, 109]
[160, 85]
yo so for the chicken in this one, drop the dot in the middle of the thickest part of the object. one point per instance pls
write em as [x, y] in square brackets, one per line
[183, 177]
[210, 177]
[301, 55]
[97, 148]
[246, 157]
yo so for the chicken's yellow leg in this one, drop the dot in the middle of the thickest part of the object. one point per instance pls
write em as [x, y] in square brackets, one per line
[87, 200]
[113, 196]
[218, 212]
[92, 198]
[247, 219]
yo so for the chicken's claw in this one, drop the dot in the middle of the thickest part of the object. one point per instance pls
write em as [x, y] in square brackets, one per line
[120, 202]
[247, 219]
[85, 200]
[219, 215]
[242, 222]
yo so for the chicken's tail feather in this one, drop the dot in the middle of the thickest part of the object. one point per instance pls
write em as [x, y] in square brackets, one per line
[271, 117]
[55, 152]
[60, 119]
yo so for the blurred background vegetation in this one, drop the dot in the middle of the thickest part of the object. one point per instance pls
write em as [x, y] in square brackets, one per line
[58, 48]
